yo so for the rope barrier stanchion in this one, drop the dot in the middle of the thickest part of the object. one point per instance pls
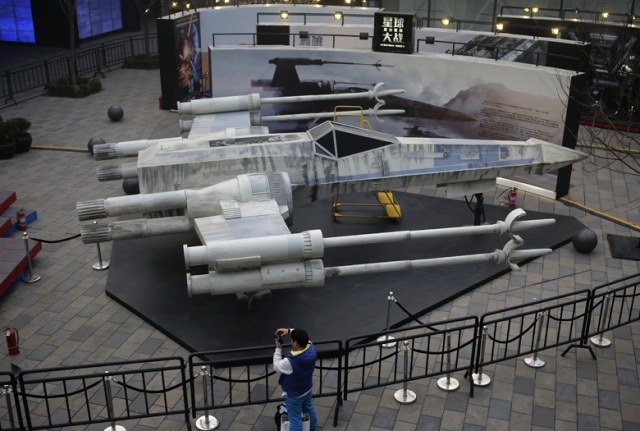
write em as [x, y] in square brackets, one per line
[31, 278]
[206, 422]
[100, 265]
[387, 337]
[479, 378]
[600, 340]
[6, 391]
[404, 395]
[107, 388]
[534, 361]
[447, 383]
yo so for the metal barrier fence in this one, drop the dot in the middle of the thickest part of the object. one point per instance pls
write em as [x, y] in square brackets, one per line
[305, 38]
[433, 352]
[133, 390]
[493, 52]
[78, 395]
[91, 60]
[530, 328]
[10, 412]
[98, 58]
[613, 307]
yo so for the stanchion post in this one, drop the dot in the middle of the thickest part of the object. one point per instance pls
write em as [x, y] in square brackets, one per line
[31, 277]
[206, 422]
[6, 391]
[447, 383]
[404, 395]
[107, 389]
[387, 337]
[534, 361]
[479, 378]
[600, 340]
[100, 265]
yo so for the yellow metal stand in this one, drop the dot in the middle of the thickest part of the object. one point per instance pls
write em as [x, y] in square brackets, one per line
[363, 122]
[386, 200]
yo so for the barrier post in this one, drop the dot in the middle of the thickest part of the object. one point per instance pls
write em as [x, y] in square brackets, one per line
[387, 337]
[107, 389]
[6, 391]
[405, 396]
[479, 378]
[100, 265]
[600, 340]
[206, 422]
[447, 383]
[31, 277]
[534, 361]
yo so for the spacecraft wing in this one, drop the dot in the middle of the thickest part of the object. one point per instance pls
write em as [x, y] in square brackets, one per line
[241, 220]
[204, 125]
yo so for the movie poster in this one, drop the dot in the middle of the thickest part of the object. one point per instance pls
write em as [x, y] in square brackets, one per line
[188, 57]
[444, 96]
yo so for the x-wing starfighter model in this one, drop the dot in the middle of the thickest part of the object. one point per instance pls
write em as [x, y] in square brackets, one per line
[239, 196]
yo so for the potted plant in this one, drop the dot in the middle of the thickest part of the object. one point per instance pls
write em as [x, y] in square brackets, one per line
[20, 129]
[7, 143]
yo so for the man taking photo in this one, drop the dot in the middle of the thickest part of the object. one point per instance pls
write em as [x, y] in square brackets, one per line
[296, 376]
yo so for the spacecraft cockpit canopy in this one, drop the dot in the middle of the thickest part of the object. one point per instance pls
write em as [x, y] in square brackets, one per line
[335, 140]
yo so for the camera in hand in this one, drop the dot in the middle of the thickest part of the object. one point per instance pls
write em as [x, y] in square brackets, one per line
[278, 336]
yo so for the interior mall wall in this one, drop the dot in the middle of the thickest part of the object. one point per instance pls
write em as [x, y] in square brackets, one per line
[483, 10]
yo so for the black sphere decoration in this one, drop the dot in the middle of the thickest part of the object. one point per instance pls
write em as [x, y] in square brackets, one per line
[585, 241]
[115, 113]
[95, 141]
[131, 186]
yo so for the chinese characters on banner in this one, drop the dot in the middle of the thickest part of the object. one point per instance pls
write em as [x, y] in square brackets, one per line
[393, 32]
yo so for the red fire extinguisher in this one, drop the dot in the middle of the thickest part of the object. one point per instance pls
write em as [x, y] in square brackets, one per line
[13, 341]
[513, 194]
[22, 219]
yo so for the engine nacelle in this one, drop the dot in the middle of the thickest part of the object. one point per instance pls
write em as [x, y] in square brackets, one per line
[247, 253]
[270, 277]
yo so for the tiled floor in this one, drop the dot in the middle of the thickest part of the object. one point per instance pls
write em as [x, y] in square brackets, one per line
[66, 318]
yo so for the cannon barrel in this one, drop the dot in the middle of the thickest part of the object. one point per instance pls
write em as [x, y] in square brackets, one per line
[320, 115]
[121, 205]
[245, 253]
[313, 274]
[126, 148]
[253, 102]
[117, 172]
[138, 228]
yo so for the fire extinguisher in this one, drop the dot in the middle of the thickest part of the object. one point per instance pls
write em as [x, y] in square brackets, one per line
[13, 341]
[513, 194]
[22, 219]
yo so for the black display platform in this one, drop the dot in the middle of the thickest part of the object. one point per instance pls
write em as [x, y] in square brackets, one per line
[624, 247]
[148, 276]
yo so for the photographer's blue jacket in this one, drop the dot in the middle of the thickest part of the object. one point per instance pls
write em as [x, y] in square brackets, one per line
[300, 381]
